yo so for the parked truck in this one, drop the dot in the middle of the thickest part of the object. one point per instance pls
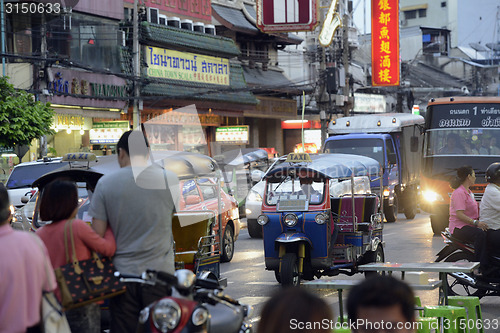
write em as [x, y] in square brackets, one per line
[393, 139]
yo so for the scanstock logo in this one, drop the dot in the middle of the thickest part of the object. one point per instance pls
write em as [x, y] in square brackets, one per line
[148, 161]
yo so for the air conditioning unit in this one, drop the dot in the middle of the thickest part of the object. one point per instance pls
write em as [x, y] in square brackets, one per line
[174, 22]
[128, 14]
[162, 19]
[187, 24]
[121, 38]
[210, 29]
[153, 15]
[199, 27]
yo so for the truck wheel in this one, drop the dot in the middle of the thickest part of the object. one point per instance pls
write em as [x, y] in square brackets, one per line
[290, 270]
[254, 229]
[410, 207]
[277, 276]
[438, 223]
[391, 212]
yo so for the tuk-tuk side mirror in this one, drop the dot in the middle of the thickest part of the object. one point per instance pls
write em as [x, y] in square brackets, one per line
[25, 199]
[256, 175]
[392, 159]
[414, 144]
[192, 199]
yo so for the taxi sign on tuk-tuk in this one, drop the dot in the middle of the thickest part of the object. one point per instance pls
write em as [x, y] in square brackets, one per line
[79, 157]
[298, 157]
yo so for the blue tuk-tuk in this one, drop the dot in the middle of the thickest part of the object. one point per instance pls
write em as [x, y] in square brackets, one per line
[319, 216]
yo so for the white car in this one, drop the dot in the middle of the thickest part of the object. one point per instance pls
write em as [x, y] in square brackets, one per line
[24, 174]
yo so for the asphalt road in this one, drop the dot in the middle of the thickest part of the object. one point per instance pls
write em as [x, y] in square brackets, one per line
[405, 241]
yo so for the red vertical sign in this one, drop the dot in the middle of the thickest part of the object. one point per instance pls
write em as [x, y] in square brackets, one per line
[385, 42]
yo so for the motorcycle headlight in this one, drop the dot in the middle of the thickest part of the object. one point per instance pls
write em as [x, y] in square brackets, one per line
[431, 196]
[321, 218]
[262, 219]
[254, 196]
[199, 316]
[166, 315]
[291, 220]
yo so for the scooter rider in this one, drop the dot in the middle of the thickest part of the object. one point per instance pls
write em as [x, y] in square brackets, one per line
[489, 209]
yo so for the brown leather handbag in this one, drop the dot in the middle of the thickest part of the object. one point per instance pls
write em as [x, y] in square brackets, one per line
[85, 281]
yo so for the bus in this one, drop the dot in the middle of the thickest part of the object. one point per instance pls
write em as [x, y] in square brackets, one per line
[458, 131]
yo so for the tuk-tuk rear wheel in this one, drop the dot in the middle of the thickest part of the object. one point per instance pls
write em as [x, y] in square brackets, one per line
[290, 270]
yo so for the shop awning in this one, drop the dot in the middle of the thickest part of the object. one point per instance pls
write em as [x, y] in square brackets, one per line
[237, 92]
[88, 113]
[271, 80]
[192, 41]
[234, 19]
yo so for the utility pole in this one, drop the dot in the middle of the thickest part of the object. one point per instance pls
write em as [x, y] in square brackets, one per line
[2, 24]
[136, 116]
[322, 70]
[345, 57]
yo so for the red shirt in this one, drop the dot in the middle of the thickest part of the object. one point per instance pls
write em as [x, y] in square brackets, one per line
[86, 240]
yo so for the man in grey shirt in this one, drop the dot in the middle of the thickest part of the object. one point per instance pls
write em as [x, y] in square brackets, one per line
[140, 215]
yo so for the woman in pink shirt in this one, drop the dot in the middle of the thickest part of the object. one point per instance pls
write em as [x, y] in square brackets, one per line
[60, 204]
[464, 214]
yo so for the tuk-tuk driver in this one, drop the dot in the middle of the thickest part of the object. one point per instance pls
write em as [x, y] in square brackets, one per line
[307, 189]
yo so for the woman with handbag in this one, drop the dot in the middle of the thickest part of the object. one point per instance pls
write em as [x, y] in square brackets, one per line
[59, 204]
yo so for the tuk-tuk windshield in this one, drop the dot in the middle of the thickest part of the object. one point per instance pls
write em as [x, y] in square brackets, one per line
[304, 189]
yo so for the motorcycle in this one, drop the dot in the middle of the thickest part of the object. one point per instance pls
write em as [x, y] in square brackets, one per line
[196, 304]
[469, 284]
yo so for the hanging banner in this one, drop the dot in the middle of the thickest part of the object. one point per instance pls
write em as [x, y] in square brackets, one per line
[287, 15]
[385, 42]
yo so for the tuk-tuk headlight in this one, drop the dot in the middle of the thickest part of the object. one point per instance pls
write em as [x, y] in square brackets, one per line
[291, 220]
[166, 315]
[262, 219]
[254, 196]
[321, 218]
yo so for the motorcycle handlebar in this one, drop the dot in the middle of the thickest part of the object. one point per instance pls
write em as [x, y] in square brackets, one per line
[165, 277]
[207, 283]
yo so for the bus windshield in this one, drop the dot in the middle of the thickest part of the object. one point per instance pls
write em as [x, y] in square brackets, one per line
[466, 141]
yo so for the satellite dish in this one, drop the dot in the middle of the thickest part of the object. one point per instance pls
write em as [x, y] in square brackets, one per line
[493, 46]
[478, 47]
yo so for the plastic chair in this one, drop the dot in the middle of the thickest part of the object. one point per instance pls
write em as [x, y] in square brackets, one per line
[473, 308]
[452, 318]
[418, 306]
[427, 324]
[342, 330]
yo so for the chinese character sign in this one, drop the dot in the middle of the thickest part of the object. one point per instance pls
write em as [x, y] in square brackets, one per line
[385, 42]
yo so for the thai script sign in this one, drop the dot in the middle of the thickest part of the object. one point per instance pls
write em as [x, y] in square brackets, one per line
[466, 115]
[385, 42]
[287, 15]
[199, 9]
[232, 134]
[179, 118]
[183, 66]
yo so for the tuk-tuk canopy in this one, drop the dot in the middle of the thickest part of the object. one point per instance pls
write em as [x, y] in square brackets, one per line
[242, 156]
[182, 164]
[189, 165]
[88, 172]
[328, 166]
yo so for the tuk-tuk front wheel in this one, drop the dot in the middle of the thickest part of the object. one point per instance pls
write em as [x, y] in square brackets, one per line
[290, 270]
[373, 257]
